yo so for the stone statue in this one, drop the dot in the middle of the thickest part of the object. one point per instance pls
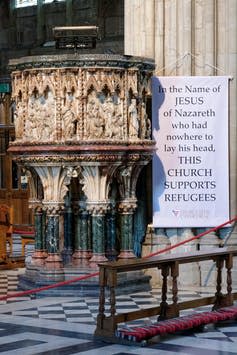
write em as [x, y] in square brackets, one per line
[108, 113]
[148, 131]
[69, 120]
[143, 131]
[95, 118]
[31, 129]
[19, 120]
[133, 124]
[48, 112]
[117, 124]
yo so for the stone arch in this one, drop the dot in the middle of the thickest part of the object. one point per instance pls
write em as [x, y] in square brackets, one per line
[34, 92]
[105, 91]
[108, 82]
[132, 81]
[91, 82]
[68, 84]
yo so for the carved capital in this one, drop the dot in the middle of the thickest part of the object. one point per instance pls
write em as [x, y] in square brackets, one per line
[52, 207]
[35, 204]
[127, 206]
[97, 208]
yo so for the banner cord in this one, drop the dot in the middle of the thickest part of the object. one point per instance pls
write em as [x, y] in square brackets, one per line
[189, 54]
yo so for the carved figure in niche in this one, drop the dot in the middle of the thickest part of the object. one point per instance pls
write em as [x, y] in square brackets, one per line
[19, 119]
[48, 112]
[117, 123]
[145, 123]
[45, 126]
[30, 124]
[95, 119]
[148, 131]
[133, 124]
[69, 119]
[143, 127]
[38, 119]
[109, 114]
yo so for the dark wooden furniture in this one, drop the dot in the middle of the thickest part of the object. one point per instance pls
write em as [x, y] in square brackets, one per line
[27, 234]
[169, 265]
[5, 231]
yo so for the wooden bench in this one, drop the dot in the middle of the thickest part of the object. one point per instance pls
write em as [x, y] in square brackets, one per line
[168, 314]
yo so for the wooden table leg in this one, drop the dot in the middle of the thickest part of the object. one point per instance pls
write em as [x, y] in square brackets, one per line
[218, 294]
[164, 304]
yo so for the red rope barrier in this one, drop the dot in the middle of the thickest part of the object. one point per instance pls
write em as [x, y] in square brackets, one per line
[192, 238]
[84, 277]
[44, 288]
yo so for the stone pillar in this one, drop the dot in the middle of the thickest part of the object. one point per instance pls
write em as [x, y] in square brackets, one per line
[98, 211]
[155, 240]
[82, 252]
[40, 254]
[208, 272]
[111, 240]
[54, 260]
[68, 231]
[140, 19]
[126, 209]
[190, 276]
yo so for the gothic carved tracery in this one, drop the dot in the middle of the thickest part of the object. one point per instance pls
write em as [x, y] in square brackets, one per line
[80, 104]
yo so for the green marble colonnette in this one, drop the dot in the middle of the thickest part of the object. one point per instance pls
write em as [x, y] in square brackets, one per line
[52, 234]
[98, 232]
[126, 231]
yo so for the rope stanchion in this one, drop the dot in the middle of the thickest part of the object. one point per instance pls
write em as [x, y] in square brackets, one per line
[84, 277]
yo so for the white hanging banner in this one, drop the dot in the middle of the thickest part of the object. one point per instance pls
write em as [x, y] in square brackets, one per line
[190, 166]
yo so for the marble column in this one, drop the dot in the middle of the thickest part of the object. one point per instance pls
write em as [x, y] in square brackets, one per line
[98, 211]
[40, 254]
[111, 240]
[68, 231]
[126, 210]
[82, 252]
[54, 260]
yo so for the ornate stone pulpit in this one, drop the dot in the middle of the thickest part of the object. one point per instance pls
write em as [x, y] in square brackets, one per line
[83, 135]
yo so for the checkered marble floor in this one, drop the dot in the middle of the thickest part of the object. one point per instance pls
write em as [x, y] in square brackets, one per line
[65, 325]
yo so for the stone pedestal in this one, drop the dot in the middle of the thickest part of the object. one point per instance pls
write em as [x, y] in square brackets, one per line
[207, 268]
[190, 276]
[155, 240]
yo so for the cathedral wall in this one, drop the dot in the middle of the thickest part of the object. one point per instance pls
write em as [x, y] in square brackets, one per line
[189, 37]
